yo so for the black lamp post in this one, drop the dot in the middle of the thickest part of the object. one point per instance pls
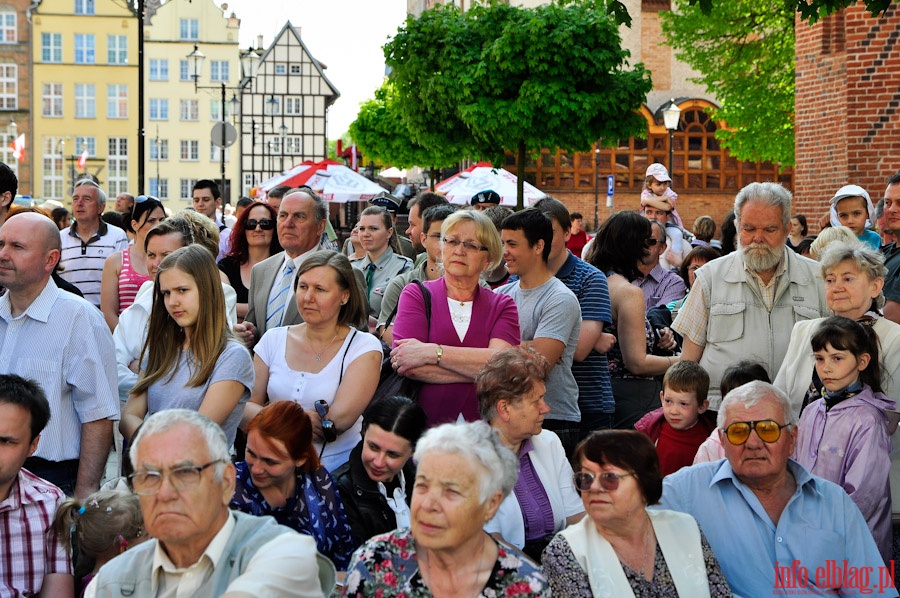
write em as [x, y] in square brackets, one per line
[671, 117]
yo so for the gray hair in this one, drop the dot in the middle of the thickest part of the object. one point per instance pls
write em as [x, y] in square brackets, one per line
[879, 209]
[751, 394]
[661, 227]
[832, 234]
[867, 260]
[320, 206]
[101, 194]
[479, 443]
[163, 421]
[768, 194]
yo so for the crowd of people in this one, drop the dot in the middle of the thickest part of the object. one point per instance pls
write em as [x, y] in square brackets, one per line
[650, 411]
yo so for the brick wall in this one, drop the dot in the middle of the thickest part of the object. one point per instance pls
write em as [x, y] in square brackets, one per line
[847, 104]
[690, 206]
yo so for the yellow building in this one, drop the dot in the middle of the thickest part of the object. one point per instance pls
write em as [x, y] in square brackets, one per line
[85, 91]
[179, 120]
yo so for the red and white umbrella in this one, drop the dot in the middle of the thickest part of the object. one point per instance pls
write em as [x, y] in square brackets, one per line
[337, 183]
[460, 188]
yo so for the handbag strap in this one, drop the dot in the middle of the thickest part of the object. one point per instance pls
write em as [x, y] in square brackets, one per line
[426, 297]
[344, 356]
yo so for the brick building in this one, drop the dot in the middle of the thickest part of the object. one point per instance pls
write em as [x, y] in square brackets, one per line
[847, 105]
[15, 87]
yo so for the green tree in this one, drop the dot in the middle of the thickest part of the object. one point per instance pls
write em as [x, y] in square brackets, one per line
[744, 50]
[381, 133]
[810, 10]
[503, 77]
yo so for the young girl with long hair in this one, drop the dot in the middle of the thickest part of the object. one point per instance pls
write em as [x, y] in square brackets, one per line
[192, 360]
[845, 436]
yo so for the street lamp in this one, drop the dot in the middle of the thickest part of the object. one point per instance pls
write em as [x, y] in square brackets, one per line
[223, 133]
[671, 117]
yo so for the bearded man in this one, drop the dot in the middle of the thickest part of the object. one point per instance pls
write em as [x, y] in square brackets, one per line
[760, 292]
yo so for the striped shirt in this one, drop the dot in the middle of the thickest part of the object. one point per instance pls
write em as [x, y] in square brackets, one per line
[83, 262]
[130, 281]
[30, 547]
[62, 342]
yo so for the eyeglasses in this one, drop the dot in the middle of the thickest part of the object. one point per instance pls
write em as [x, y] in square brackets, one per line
[768, 431]
[467, 246]
[148, 483]
[651, 241]
[608, 481]
[143, 198]
[265, 224]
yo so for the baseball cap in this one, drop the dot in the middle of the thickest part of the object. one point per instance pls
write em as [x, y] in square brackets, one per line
[488, 196]
[658, 172]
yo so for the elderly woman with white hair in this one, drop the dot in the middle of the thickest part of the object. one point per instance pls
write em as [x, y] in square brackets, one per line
[464, 473]
[854, 277]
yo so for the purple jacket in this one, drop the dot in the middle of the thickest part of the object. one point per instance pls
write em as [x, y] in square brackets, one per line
[850, 445]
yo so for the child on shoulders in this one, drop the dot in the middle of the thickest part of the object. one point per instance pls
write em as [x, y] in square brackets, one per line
[852, 207]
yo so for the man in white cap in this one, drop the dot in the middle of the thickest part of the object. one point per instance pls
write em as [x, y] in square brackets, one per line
[852, 207]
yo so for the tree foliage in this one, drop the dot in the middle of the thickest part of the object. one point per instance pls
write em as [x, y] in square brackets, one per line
[381, 133]
[744, 50]
[504, 77]
[810, 10]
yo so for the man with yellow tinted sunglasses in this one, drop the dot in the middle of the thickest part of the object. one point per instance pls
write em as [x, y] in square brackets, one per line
[774, 527]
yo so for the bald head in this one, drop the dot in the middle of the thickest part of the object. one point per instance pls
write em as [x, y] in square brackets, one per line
[39, 227]
[29, 251]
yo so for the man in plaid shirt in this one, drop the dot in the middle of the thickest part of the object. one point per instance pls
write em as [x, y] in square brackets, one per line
[34, 559]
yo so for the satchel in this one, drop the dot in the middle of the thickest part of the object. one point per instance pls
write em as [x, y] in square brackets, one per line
[390, 383]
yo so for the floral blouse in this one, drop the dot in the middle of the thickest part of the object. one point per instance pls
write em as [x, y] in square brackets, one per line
[568, 580]
[386, 566]
[315, 510]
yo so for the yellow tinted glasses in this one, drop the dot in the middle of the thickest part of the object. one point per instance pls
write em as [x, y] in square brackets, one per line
[768, 430]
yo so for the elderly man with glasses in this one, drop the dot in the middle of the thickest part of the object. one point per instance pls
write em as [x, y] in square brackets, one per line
[774, 527]
[185, 480]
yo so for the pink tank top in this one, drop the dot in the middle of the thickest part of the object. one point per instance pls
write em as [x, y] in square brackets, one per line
[129, 281]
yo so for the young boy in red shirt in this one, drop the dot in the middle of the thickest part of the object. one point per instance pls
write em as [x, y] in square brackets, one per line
[681, 425]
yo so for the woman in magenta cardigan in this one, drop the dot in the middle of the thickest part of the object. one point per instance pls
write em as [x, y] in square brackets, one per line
[468, 322]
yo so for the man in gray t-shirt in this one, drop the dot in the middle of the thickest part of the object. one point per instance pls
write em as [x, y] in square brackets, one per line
[549, 316]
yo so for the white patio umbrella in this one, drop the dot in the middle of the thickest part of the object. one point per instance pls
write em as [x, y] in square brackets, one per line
[460, 188]
[337, 183]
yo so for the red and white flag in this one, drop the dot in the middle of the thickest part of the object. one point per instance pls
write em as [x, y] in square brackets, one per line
[83, 159]
[18, 147]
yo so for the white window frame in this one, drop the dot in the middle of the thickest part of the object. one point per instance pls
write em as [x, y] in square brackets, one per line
[116, 101]
[85, 100]
[189, 150]
[159, 109]
[9, 86]
[85, 48]
[52, 160]
[117, 166]
[159, 69]
[159, 150]
[91, 143]
[189, 30]
[159, 187]
[187, 188]
[51, 48]
[84, 7]
[9, 26]
[52, 100]
[117, 49]
[189, 110]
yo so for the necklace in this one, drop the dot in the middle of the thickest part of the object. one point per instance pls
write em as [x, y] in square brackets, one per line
[639, 569]
[319, 353]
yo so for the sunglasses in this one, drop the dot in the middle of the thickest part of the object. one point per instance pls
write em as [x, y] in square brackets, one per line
[143, 198]
[768, 431]
[651, 241]
[328, 429]
[265, 224]
[608, 481]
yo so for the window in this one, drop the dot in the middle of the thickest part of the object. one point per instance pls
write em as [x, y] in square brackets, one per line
[293, 106]
[8, 26]
[295, 69]
[280, 69]
[117, 166]
[293, 145]
[184, 71]
[218, 70]
[186, 188]
[6, 152]
[84, 7]
[272, 106]
[117, 49]
[190, 29]
[52, 102]
[159, 188]
[215, 156]
[190, 151]
[9, 87]
[52, 161]
[90, 143]
[85, 100]
[159, 150]
[159, 70]
[190, 110]
[215, 109]
[249, 183]
[51, 47]
[159, 109]
[117, 101]
[84, 48]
